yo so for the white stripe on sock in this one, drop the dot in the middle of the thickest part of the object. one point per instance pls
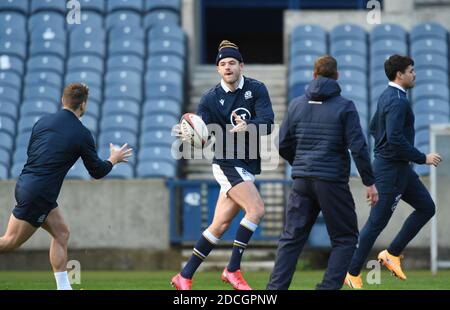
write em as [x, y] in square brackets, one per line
[211, 238]
[246, 223]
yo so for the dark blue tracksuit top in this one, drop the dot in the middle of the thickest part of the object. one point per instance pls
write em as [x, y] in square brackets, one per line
[56, 143]
[393, 129]
[317, 132]
[253, 104]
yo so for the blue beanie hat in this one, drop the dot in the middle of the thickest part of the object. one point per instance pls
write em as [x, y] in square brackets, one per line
[228, 49]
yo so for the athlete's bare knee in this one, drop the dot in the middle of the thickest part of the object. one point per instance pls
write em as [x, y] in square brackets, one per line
[63, 235]
[8, 244]
[257, 211]
[218, 229]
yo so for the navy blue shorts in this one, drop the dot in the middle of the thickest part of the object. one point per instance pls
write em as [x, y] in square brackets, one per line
[227, 177]
[31, 208]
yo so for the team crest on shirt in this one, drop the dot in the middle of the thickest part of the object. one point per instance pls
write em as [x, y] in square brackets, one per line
[222, 101]
[248, 95]
[243, 113]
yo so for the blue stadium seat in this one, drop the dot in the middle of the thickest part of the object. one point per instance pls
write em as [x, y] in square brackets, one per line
[163, 91]
[158, 122]
[429, 46]
[156, 153]
[308, 31]
[430, 91]
[93, 108]
[351, 61]
[124, 92]
[378, 77]
[48, 33]
[388, 47]
[6, 141]
[352, 76]
[88, 47]
[112, 107]
[48, 48]
[355, 92]
[23, 138]
[166, 62]
[90, 123]
[45, 63]
[9, 109]
[149, 169]
[156, 137]
[3, 171]
[20, 154]
[429, 106]
[161, 16]
[126, 62]
[26, 123]
[377, 61]
[348, 47]
[174, 5]
[164, 76]
[167, 31]
[11, 94]
[5, 157]
[428, 30]
[127, 47]
[431, 76]
[302, 62]
[301, 76]
[431, 61]
[42, 92]
[167, 47]
[37, 107]
[91, 78]
[311, 47]
[388, 32]
[122, 33]
[120, 122]
[16, 170]
[115, 5]
[162, 106]
[125, 77]
[85, 63]
[43, 78]
[78, 171]
[117, 137]
[95, 94]
[20, 6]
[11, 63]
[48, 18]
[348, 32]
[422, 170]
[121, 171]
[10, 78]
[7, 125]
[48, 5]
[423, 121]
[297, 90]
[88, 19]
[11, 19]
[93, 5]
[13, 48]
[13, 33]
[87, 33]
[422, 136]
[123, 18]
[363, 110]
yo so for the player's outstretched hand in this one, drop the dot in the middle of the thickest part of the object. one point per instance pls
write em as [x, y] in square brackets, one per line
[433, 159]
[372, 195]
[119, 155]
[177, 132]
[241, 125]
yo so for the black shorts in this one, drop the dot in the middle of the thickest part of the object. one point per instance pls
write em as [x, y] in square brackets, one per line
[31, 208]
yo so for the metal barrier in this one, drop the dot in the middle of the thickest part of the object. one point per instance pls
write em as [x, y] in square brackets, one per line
[192, 205]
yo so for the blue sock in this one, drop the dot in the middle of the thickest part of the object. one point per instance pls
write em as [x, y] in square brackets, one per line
[202, 248]
[243, 235]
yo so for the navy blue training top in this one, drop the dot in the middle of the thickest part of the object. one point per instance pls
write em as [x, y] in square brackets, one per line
[252, 103]
[56, 143]
[393, 128]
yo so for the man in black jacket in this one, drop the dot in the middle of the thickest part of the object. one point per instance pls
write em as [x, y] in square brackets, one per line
[56, 143]
[319, 129]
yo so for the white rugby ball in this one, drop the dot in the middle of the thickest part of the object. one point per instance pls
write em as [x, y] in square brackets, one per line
[193, 127]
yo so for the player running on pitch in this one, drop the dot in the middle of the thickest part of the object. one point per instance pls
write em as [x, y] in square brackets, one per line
[241, 102]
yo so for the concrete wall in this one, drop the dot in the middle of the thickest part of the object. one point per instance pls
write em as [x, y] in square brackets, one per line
[107, 214]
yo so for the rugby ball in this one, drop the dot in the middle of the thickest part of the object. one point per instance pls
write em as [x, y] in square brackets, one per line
[194, 129]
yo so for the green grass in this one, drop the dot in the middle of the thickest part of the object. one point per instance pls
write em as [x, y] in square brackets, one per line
[159, 280]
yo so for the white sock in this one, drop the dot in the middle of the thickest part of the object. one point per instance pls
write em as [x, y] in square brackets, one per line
[62, 281]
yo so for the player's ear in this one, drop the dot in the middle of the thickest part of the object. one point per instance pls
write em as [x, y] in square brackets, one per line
[62, 101]
[315, 75]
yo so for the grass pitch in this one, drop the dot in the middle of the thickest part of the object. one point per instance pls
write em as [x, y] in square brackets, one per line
[159, 280]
